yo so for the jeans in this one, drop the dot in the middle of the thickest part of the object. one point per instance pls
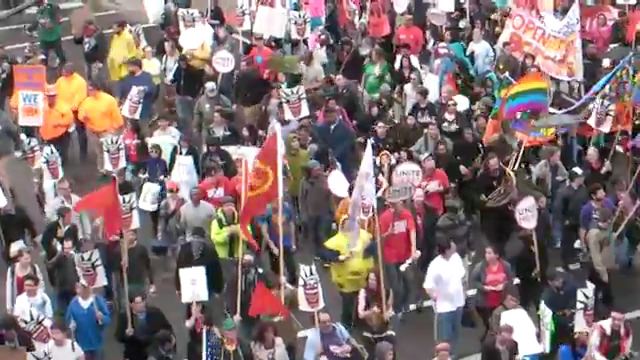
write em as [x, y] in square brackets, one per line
[184, 110]
[397, 281]
[81, 131]
[318, 229]
[56, 46]
[63, 299]
[93, 355]
[349, 304]
[448, 328]
[569, 236]
[62, 146]
[289, 265]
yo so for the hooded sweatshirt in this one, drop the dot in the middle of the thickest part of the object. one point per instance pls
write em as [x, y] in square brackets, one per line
[296, 159]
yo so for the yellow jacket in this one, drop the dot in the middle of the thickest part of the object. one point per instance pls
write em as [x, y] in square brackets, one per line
[57, 120]
[350, 275]
[72, 90]
[122, 48]
[220, 231]
[100, 113]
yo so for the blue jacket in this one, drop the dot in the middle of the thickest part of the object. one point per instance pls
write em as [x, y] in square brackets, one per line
[89, 334]
[143, 79]
[341, 142]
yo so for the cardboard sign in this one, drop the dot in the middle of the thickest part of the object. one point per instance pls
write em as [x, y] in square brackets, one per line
[193, 284]
[29, 83]
[626, 2]
[526, 213]
[223, 61]
[407, 173]
[90, 269]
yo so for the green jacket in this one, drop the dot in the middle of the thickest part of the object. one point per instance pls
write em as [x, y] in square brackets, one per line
[49, 28]
[224, 240]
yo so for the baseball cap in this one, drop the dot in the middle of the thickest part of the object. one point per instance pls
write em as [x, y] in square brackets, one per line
[210, 88]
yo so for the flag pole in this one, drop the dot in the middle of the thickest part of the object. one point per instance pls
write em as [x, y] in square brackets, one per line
[383, 289]
[280, 168]
[124, 265]
[243, 194]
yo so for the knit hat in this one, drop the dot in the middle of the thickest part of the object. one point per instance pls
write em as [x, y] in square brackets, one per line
[228, 324]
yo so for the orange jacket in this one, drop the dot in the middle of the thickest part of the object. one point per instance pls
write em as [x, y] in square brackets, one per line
[57, 120]
[100, 113]
[72, 90]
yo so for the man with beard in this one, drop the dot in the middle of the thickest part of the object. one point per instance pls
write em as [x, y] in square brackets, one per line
[566, 205]
[589, 213]
[198, 251]
[560, 297]
[496, 222]
[611, 338]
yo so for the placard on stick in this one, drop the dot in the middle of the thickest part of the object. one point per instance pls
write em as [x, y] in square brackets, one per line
[526, 213]
[193, 284]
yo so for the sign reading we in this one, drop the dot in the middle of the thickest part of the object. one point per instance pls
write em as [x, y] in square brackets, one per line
[29, 84]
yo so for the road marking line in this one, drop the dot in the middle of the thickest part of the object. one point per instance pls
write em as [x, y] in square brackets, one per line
[63, 6]
[64, 19]
[70, 37]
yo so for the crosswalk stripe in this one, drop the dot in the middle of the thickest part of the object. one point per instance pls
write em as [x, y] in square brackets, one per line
[64, 19]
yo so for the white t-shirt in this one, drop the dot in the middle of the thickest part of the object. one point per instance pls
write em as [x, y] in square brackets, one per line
[65, 352]
[445, 278]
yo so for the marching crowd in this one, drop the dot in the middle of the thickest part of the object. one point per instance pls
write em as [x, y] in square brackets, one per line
[175, 126]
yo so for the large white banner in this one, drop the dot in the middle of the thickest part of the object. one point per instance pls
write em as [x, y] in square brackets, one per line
[555, 43]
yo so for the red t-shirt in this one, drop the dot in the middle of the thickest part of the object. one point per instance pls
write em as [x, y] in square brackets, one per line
[396, 247]
[215, 188]
[259, 58]
[435, 199]
[412, 36]
[494, 276]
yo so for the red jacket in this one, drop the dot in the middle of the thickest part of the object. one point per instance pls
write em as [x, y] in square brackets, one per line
[412, 36]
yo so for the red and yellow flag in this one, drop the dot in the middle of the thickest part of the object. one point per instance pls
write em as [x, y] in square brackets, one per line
[262, 185]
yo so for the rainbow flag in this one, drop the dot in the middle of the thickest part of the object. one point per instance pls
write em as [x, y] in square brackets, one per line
[529, 93]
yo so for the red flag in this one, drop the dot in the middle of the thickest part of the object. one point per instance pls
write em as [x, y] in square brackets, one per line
[104, 203]
[632, 26]
[264, 302]
[262, 187]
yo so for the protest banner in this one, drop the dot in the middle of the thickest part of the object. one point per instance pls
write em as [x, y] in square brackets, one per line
[29, 83]
[555, 44]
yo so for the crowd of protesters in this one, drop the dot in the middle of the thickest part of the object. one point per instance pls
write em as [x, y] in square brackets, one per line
[359, 89]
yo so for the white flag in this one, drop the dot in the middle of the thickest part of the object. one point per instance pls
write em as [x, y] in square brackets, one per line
[364, 193]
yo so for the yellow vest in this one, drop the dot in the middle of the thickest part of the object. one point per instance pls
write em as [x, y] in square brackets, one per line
[350, 275]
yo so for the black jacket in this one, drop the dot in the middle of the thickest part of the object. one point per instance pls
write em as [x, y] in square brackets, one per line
[136, 346]
[188, 81]
[206, 256]
[94, 48]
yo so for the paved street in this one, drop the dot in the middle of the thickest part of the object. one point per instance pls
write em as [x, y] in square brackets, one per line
[415, 334]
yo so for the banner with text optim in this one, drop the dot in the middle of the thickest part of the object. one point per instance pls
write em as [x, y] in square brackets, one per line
[555, 44]
[29, 84]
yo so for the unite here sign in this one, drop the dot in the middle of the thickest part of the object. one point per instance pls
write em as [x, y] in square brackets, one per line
[526, 213]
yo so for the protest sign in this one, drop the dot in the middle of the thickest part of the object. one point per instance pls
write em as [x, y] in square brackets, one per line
[527, 213]
[407, 173]
[193, 284]
[29, 83]
[223, 61]
[555, 44]
[90, 269]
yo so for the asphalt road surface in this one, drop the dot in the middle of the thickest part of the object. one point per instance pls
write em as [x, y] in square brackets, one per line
[415, 334]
